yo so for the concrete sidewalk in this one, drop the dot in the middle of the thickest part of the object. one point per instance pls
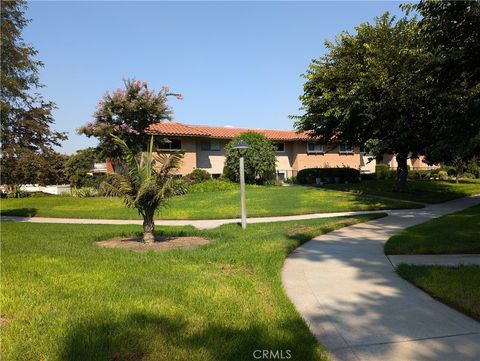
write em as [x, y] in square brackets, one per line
[360, 309]
[201, 224]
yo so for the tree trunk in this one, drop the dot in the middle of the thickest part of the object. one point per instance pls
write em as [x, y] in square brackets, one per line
[148, 228]
[458, 171]
[402, 172]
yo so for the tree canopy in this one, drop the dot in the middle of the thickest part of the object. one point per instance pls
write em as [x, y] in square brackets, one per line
[449, 32]
[259, 159]
[25, 116]
[126, 113]
[79, 164]
[384, 85]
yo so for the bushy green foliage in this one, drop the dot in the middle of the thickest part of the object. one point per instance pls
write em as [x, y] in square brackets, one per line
[468, 175]
[474, 168]
[291, 180]
[273, 183]
[442, 175]
[198, 176]
[18, 193]
[213, 185]
[383, 171]
[27, 144]
[78, 165]
[259, 158]
[180, 186]
[328, 175]
[421, 174]
[408, 84]
[84, 192]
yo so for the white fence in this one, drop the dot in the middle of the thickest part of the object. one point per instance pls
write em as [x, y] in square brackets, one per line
[53, 189]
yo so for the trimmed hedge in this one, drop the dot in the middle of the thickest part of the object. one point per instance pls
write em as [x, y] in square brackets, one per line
[328, 175]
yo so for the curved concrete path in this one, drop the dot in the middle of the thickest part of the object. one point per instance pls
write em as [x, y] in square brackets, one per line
[360, 309]
[201, 224]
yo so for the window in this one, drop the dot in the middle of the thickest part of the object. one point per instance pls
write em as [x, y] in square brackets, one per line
[279, 147]
[210, 145]
[346, 148]
[170, 144]
[315, 148]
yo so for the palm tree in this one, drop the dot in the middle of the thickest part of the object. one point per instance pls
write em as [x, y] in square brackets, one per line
[147, 184]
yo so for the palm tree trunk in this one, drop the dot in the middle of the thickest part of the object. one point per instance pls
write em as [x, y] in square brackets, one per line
[148, 228]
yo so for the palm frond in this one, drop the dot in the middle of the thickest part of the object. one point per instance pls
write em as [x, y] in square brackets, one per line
[133, 166]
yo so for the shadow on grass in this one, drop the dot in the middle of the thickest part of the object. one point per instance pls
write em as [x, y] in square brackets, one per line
[140, 336]
[19, 212]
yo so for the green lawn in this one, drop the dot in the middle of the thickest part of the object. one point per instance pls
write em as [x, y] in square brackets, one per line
[459, 287]
[261, 201]
[454, 233]
[64, 298]
[418, 191]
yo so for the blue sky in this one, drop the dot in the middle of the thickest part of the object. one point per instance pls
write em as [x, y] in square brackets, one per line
[235, 63]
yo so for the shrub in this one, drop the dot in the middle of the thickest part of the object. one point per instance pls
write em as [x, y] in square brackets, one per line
[84, 192]
[213, 185]
[198, 176]
[468, 175]
[180, 186]
[451, 171]
[383, 171]
[273, 182]
[17, 193]
[474, 168]
[367, 176]
[443, 175]
[328, 175]
[259, 159]
[291, 180]
[78, 165]
[420, 174]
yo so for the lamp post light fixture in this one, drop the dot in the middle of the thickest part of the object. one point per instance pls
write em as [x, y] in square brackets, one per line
[242, 147]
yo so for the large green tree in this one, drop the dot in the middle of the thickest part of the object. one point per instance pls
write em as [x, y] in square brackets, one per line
[409, 87]
[126, 113]
[259, 159]
[449, 33]
[365, 89]
[79, 165]
[25, 116]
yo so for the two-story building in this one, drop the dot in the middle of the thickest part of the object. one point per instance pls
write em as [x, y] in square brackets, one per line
[204, 148]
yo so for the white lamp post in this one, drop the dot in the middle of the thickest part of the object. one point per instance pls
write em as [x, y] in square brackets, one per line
[242, 147]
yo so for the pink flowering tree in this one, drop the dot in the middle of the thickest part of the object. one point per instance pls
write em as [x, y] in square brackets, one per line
[126, 113]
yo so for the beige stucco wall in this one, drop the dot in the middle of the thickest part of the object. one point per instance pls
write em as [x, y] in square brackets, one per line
[285, 159]
[213, 160]
[330, 159]
[415, 163]
[189, 155]
[293, 159]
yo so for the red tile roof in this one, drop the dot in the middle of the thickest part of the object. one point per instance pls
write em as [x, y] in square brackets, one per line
[179, 129]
